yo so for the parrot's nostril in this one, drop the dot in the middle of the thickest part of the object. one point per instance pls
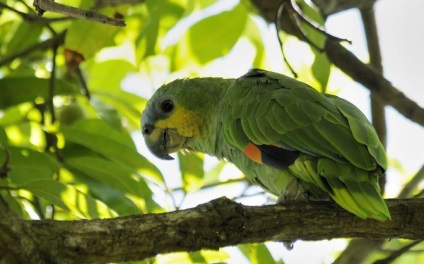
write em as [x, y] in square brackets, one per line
[147, 129]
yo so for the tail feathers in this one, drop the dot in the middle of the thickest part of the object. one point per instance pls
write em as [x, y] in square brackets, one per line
[359, 198]
[354, 189]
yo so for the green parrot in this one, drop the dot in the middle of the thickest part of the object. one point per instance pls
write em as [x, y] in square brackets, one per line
[285, 136]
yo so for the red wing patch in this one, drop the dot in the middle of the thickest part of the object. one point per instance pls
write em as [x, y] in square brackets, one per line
[273, 156]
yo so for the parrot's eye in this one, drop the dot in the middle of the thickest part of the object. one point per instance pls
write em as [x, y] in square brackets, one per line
[167, 106]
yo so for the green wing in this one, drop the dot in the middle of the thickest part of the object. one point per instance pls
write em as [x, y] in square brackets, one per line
[267, 108]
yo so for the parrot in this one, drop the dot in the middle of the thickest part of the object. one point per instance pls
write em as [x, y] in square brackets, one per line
[286, 137]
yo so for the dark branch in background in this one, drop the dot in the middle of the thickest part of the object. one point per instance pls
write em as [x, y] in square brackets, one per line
[374, 51]
[329, 7]
[408, 190]
[215, 224]
[366, 247]
[383, 89]
[352, 66]
[48, 43]
[31, 17]
[398, 253]
[277, 29]
[52, 85]
[48, 5]
[377, 107]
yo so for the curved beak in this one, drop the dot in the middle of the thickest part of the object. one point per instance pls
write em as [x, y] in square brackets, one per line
[161, 141]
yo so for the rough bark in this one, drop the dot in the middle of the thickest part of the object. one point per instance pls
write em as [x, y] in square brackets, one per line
[216, 224]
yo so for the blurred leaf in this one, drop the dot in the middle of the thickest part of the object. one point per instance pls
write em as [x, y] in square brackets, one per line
[16, 205]
[162, 15]
[253, 34]
[321, 65]
[112, 197]
[128, 105]
[103, 139]
[321, 69]
[108, 114]
[107, 172]
[209, 256]
[26, 89]
[222, 30]
[87, 38]
[212, 176]
[312, 34]
[27, 165]
[4, 142]
[191, 167]
[25, 35]
[68, 198]
[108, 75]
[257, 253]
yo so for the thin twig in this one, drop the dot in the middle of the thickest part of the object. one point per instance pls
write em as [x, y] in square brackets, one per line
[48, 43]
[392, 257]
[52, 85]
[277, 29]
[412, 184]
[47, 5]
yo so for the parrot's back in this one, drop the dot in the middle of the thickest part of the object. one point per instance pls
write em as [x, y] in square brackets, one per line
[297, 142]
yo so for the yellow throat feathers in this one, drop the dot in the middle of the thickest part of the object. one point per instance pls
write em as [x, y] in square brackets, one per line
[187, 123]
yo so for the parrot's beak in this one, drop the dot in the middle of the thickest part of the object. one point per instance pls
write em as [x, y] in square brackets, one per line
[161, 142]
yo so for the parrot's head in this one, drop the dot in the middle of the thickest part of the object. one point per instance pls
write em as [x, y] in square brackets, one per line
[180, 115]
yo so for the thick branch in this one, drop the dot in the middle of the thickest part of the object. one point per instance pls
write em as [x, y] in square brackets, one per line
[216, 224]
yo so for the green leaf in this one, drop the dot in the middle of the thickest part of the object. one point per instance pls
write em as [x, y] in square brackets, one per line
[3, 139]
[128, 105]
[321, 69]
[212, 176]
[25, 35]
[312, 34]
[112, 197]
[68, 198]
[257, 253]
[253, 34]
[215, 36]
[16, 205]
[191, 167]
[108, 75]
[107, 172]
[118, 147]
[87, 38]
[161, 16]
[107, 113]
[18, 90]
[27, 165]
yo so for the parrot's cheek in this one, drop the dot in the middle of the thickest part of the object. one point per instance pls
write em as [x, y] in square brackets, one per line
[161, 142]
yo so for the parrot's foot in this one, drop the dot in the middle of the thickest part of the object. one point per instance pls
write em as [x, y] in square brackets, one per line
[294, 192]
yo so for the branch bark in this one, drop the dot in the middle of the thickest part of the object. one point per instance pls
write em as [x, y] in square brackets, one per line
[215, 224]
[48, 5]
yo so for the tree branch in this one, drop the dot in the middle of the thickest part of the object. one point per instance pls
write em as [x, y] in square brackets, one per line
[329, 7]
[215, 224]
[381, 87]
[352, 66]
[48, 5]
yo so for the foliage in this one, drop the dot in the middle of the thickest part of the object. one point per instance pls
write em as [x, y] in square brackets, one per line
[71, 96]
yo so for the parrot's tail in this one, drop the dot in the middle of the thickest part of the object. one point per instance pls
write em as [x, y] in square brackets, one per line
[355, 189]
